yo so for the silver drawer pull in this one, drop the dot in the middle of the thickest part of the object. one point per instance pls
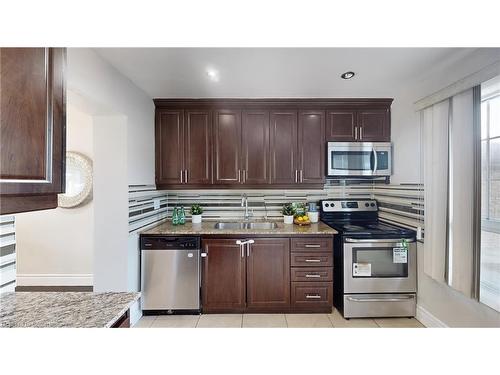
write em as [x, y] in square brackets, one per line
[203, 255]
[312, 245]
[313, 296]
[311, 276]
[313, 260]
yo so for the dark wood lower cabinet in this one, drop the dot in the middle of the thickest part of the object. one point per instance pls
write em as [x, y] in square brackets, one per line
[267, 275]
[224, 276]
[123, 321]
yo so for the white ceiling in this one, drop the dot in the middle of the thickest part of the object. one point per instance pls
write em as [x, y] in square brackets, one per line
[277, 72]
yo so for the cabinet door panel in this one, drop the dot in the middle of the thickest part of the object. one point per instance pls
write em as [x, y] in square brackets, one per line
[198, 148]
[169, 146]
[255, 147]
[224, 278]
[268, 273]
[227, 143]
[311, 147]
[341, 125]
[374, 125]
[283, 147]
[32, 120]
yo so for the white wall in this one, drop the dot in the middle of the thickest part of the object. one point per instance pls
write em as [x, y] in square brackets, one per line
[111, 204]
[55, 247]
[445, 304]
[124, 154]
[110, 92]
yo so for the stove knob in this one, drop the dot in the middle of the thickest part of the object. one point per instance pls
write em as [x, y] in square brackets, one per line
[327, 205]
[367, 205]
[373, 205]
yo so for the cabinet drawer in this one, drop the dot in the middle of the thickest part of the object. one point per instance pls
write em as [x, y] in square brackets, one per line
[312, 244]
[312, 294]
[311, 259]
[312, 274]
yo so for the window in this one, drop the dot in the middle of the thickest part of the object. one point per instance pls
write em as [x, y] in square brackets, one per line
[489, 292]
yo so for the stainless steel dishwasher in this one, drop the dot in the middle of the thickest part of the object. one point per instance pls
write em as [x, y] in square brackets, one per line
[170, 274]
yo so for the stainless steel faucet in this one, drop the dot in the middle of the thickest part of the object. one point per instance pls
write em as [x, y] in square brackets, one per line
[244, 203]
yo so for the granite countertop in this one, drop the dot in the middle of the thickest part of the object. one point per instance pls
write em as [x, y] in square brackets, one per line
[63, 309]
[207, 227]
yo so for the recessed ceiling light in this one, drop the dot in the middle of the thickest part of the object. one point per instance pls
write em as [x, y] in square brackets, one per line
[347, 75]
[213, 74]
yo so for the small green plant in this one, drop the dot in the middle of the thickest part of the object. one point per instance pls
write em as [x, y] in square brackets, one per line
[288, 209]
[196, 209]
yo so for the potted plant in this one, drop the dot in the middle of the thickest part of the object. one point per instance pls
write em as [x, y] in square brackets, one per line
[288, 211]
[196, 211]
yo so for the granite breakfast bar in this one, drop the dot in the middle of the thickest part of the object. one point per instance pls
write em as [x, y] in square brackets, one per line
[66, 309]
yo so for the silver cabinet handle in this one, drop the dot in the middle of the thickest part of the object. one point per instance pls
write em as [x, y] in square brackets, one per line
[301, 176]
[307, 245]
[244, 175]
[313, 296]
[313, 260]
[239, 175]
[355, 132]
[296, 174]
[360, 133]
[182, 177]
[248, 249]
[203, 255]
[309, 275]
[186, 176]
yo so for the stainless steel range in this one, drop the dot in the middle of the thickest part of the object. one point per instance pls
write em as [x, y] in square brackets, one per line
[376, 262]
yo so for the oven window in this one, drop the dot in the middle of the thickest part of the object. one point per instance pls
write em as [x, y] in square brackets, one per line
[381, 263]
[351, 160]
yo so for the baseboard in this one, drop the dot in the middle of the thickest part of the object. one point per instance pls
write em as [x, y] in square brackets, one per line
[427, 319]
[54, 280]
[54, 288]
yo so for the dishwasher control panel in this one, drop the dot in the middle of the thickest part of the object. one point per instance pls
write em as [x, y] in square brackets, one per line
[169, 243]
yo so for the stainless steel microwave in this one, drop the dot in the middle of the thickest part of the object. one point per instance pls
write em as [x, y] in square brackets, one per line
[359, 159]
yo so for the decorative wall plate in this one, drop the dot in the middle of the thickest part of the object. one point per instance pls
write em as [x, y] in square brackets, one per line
[78, 181]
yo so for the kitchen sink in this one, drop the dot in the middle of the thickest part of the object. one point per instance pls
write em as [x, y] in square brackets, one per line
[246, 225]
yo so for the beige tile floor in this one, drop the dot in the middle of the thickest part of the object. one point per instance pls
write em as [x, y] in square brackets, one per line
[333, 320]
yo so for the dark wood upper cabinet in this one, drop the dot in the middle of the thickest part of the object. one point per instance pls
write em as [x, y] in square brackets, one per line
[32, 127]
[341, 125]
[374, 125]
[224, 276]
[169, 147]
[311, 147]
[227, 143]
[268, 274]
[363, 123]
[258, 143]
[255, 147]
[198, 147]
[284, 147]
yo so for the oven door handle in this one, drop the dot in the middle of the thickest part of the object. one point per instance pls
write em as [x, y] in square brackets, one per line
[377, 240]
[399, 299]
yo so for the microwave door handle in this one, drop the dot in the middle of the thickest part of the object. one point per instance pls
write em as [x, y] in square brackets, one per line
[374, 160]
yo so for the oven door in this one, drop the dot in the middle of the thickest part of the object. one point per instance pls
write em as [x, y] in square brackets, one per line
[379, 266]
[359, 159]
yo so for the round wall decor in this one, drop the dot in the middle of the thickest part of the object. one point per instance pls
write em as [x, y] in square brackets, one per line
[78, 181]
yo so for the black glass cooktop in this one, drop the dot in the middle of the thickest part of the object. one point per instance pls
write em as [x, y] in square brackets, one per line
[373, 229]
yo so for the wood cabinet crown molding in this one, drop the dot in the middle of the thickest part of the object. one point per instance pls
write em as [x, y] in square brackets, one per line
[298, 103]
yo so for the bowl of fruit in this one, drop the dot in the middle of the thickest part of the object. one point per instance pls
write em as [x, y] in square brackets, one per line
[302, 220]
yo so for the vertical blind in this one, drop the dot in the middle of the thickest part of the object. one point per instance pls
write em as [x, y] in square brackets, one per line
[448, 159]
